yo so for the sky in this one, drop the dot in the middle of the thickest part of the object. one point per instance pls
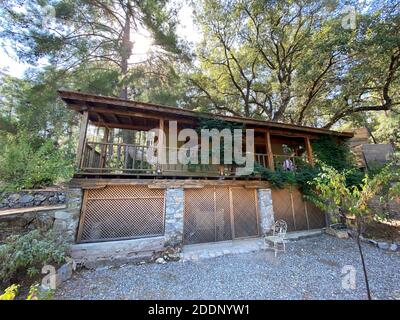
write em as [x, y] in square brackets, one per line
[142, 44]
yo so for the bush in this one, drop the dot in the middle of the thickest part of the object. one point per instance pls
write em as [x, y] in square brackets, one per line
[26, 164]
[25, 255]
[10, 293]
[35, 293]
[277, 178]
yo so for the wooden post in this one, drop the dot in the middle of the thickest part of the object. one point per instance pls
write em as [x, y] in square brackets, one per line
[269, 151]
[309, 151]
[161, 145]
[82, 138]
[104, 148]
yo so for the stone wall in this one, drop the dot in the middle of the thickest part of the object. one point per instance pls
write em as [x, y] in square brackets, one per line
[63, 220]
[20, 223]
[67, 220]
[174, 206]
[31, 198]
[266, 210]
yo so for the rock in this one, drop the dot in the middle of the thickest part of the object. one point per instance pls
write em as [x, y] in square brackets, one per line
[64, 273]
[161, 261]
[39, 198]
[53, 200]
[393, 247]
[383, 245]
[174, 256]
[59, 226]
[341, 234]
[44, 222]
[102, 268]
[26, 198]
[13, 197]
[62, 215]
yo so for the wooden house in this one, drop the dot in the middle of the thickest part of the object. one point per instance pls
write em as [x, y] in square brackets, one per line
[127, 198]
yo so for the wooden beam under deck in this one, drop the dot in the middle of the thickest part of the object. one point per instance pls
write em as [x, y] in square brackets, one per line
[166, 183]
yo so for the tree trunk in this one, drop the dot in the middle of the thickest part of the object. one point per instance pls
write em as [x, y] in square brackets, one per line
[364, 267]
[126, 52]
[362, 259]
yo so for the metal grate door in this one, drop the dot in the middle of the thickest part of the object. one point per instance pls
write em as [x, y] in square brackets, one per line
[219, 213]
[299, 215]
[244, 206]
[121, 212]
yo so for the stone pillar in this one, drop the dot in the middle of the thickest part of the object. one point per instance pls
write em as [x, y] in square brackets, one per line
[266, 210]
[174, 206]
[67, 220]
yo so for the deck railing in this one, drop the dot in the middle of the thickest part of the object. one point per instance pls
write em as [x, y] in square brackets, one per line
[292, 163]
[101, 157]
[115, 157]
[122, 158]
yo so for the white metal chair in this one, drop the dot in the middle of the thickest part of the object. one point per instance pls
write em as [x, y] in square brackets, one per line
[278, 236]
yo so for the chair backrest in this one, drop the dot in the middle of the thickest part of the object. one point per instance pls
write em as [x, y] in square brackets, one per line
[280, 228]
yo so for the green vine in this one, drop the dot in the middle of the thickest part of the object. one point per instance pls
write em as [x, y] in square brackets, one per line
[332, 152]
[220, 125]
[327, 151]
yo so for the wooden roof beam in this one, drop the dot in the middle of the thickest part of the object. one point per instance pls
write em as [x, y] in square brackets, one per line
[122, 126]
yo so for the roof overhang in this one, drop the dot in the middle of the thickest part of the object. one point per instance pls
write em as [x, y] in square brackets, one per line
[122, 113]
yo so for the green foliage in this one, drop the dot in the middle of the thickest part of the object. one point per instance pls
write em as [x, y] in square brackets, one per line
[332, 152]
[279, 178]
[326, 149]
[334, 196]
[206, 123]
[25, 255]
[35, 293]
[10, 293]
[247, 65]
[303, 175]
[25, 163]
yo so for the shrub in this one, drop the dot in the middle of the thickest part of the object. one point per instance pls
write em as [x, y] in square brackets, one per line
[277, 178]
[10, 293]
[26, 164]
[25, 255]
[34, 293]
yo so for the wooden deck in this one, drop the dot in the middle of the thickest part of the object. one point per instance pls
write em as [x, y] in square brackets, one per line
[123, 160]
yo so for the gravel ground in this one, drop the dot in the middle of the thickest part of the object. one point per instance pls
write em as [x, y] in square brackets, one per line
[310, 269]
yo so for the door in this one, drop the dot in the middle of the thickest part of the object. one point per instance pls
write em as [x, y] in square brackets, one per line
[298, 214]
[219, 213]
[121, 212]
